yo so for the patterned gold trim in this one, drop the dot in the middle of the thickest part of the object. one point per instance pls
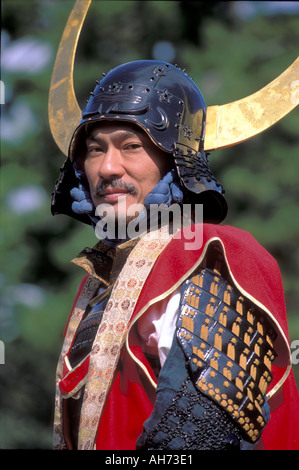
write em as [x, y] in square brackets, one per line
[89, 289]
[103, 262]
[111, 334]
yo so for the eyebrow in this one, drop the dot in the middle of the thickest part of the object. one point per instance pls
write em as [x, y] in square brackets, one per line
[117, 135]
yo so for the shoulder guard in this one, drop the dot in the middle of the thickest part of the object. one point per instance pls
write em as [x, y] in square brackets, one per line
[228, 343]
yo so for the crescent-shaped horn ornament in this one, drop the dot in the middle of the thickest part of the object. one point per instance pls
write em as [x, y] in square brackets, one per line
[63, 109]
[226, 125]
[240, 120]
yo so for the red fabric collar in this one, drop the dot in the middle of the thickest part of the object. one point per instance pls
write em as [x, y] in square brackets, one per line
[254, 269]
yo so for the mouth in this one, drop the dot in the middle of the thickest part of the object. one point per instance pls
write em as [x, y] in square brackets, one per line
[111, 192]
[113, 195]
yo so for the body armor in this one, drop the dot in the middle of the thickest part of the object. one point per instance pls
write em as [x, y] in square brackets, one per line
[162, 100]
[216, 399]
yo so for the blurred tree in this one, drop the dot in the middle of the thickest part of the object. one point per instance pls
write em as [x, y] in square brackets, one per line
[230, 49]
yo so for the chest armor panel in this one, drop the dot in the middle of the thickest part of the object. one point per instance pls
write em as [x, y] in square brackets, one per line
[228, 343]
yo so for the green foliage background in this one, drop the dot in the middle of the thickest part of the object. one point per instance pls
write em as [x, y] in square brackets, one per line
[229, 57]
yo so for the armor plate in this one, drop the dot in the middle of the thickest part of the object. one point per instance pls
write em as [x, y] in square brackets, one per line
[229, 346]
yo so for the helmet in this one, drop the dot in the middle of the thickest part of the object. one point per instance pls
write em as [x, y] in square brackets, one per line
[162, 100]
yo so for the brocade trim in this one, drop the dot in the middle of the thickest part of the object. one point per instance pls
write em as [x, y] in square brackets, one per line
[112, 331]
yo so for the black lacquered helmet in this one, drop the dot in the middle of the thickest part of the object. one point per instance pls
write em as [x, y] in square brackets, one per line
[162, 100]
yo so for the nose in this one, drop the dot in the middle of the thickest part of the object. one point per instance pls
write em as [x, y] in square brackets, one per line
[111, 164]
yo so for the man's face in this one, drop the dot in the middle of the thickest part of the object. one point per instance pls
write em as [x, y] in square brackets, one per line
[122, 162]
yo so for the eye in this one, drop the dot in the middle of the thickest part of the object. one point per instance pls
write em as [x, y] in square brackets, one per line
[133, 146]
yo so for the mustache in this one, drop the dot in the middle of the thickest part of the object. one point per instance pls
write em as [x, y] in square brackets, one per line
[115, 183]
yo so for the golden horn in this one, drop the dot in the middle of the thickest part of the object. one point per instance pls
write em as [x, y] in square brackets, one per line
[226, 125]
[240, 120]
[64, 111]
